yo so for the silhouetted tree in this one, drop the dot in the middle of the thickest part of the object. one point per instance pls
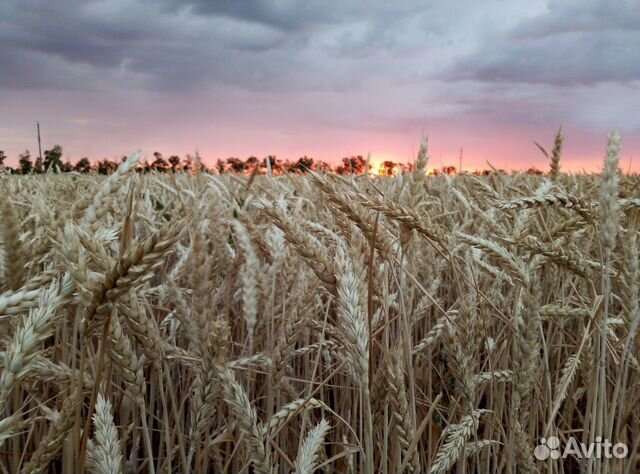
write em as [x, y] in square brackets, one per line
[323, 167]
[159, 163]
[24, 162]
[201, 167]
[194, 164]
[143, 166]
[106, 166]
[348, 165]
[352, 165]
[235, 165]
[38, 167]
[285, 165]
[274, 162]
[250, 163]
[387, 168]
[82, 166]
[52, 158]
[406, 167]
[187, 164]
[174, 161]
[303, 165]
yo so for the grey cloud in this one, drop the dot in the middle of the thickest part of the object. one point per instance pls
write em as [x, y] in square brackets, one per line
[175, 46]
[64, 29]
[170, 50]
[575, 58]
[584, 42]
[20, 71]
[35, 70]
[294, 15]
[593, 16]
[288, 44]
[283, 14]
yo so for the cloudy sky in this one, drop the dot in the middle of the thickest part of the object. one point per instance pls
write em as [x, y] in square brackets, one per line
[322, 78]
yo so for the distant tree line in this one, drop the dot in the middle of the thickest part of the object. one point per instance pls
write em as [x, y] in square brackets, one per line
[52, 160]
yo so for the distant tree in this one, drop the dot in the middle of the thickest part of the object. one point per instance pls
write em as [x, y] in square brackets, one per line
[38, 167]
[159, 163]
[234, 165]
[406, 167]
[534, 171]
[450, 170]
[174, 161]
[352, 165]
[66, 167]
[274, 163]
[82, 166]
[102, 167]
[3, 157]
[143, 166]
[303, 165]
[187, 164]
[24, 162]
[286, 165]
[106, 166]
[341, 170]
[200, 166]
[250, 163]
[323, 167]
[53, 158]
[113, 166]
[387, 168]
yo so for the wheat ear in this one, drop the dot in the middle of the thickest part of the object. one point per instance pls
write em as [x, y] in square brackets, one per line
[307, 459]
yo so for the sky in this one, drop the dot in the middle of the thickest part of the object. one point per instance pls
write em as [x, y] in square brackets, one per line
[323, 78]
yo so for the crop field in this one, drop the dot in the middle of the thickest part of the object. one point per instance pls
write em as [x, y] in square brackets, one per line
[193, 323]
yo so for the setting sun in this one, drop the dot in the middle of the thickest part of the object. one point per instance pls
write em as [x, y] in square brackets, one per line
[375, 167]
[387, 165]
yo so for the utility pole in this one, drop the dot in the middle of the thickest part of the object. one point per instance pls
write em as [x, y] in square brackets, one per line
[39, 145]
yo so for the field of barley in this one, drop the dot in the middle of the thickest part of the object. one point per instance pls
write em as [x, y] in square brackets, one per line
[194, 323]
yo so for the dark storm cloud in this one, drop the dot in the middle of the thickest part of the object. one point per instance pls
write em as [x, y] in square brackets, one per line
[288, 44]
[572, 42]
[170, 44]
[67, 30]
[166, 49]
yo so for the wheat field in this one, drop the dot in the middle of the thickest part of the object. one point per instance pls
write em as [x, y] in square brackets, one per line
[193, 323]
